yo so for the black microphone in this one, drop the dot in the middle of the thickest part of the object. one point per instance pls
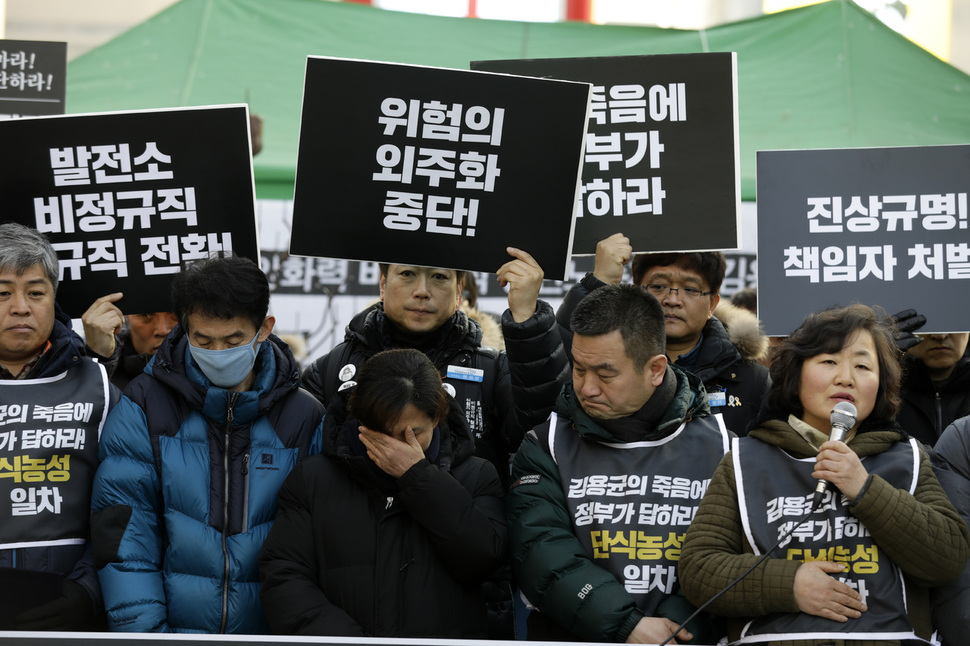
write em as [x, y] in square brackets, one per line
[843, 419]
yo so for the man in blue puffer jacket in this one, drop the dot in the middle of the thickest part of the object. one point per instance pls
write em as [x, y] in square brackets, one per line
[192, 459]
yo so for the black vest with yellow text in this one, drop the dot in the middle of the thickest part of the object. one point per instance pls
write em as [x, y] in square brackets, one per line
[776, 492]
[631, 503]
[49, 430]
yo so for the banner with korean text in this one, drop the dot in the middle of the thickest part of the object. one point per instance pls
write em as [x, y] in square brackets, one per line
[880, 226]
[33, 78]
[127, 198]
[662, 162]
[437, 167]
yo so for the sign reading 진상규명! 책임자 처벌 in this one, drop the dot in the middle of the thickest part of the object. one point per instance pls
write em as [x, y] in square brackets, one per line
[886, 227]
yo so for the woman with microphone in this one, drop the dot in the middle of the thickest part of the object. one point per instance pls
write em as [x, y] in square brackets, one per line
[855, 561]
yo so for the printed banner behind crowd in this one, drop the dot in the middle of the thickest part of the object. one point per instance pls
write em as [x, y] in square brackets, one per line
[880, 226]
[302, 275]
[33, 78]
[438, 167]
[127, 197]
[662, 163]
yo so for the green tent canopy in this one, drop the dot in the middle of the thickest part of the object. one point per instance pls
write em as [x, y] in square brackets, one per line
[824, 76]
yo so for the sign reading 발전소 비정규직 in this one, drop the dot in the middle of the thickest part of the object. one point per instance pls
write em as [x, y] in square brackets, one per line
[880, 226]
[436, 167]
[33, 78]
[126, 198]
[662, 160]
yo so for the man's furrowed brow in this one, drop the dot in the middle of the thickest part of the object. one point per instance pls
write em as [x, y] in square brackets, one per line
[606, 366]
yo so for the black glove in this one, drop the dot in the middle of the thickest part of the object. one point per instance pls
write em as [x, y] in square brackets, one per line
[73, 610]
[904, 324]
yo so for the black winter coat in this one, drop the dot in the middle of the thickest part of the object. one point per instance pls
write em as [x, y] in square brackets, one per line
[130, 363]
[350, 555]
[928, 408]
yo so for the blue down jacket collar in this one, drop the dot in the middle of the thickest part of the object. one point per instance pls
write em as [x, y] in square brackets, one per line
[277, 374]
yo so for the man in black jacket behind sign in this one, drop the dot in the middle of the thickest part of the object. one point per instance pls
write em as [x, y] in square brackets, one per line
[503, 394]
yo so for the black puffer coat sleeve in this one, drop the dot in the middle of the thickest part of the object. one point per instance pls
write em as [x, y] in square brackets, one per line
[293, 602]
[312, 378]
[576, 293]
[538, 368]
[463, 514]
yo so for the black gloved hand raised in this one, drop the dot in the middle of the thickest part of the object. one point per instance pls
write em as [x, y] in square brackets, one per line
[904, 324]
[73, 610]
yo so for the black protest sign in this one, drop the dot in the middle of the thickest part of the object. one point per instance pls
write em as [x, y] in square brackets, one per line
[880, 226]
[661, 161]
[33, 78]
[436, 167]
[127, 198]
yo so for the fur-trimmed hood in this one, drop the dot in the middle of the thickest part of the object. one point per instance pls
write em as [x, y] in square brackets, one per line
[490, 324]
[744, 330]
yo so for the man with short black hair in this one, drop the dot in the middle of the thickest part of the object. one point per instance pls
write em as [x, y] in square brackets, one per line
[53, 403]
[713, 339]
[603, 492]
[193, 457]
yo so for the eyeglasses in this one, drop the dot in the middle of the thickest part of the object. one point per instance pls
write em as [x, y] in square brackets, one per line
[659, 290]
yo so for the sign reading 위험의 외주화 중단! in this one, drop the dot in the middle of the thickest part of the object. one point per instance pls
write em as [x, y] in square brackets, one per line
[33, 78]
[436, 167]
[885, 227]
[127, 198]
[662, 157]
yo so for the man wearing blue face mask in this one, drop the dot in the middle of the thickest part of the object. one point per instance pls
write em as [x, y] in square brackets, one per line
[193, 459]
